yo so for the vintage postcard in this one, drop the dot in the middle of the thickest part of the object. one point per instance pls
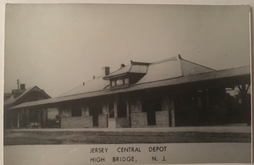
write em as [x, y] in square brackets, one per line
[132, 84]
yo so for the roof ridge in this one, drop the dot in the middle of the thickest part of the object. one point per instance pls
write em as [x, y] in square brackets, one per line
[26, 90]
[165, 60]
[197, 64]
[42, 90]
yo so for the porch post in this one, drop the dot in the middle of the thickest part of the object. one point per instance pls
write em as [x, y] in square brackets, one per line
[172, 112]
[46, 120]
[128, 112]
[41, 121]
[27, 117]
[18, 119]
[60, 116]
[115, 108]
[245, 103]
[22, 118]
[127, 109]
[39, 116]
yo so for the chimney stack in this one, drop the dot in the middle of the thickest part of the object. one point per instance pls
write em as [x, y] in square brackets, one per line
[18, 83]
[22, 86]
[105, 71]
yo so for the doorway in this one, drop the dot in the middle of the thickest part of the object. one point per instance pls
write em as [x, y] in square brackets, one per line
[94, 111]
[150, 107]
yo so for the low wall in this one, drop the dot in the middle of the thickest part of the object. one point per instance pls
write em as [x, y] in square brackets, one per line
[111, 123]
[138, 120]
[103, 121]
[123, 122]
[77, 122]
[162, 118]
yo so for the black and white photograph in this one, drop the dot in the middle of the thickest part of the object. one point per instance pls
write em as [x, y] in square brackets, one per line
[127, 83]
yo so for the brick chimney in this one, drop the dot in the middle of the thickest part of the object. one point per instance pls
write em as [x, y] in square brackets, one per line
[105, 71]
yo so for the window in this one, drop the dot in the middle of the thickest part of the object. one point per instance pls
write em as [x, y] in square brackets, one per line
[76, 111]
[126, 81]
[113, 83]
[119, 82]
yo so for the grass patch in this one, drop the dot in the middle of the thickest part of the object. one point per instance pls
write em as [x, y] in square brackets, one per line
[99, 137]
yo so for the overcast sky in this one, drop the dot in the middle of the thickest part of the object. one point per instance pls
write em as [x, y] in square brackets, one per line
[57, 47]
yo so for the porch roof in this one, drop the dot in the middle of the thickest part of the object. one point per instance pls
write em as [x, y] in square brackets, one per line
[201, 77]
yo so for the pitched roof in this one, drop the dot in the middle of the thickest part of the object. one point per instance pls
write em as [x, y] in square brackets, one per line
[12, 100]
[160, 70]
[200, 77]
[172, 68]
[92, 85]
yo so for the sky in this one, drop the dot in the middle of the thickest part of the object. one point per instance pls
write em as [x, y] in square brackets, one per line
[58, 47]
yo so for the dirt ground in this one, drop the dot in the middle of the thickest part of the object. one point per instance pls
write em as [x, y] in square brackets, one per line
[36, 137]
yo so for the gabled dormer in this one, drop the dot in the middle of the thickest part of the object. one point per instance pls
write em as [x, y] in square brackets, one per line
[127, 75]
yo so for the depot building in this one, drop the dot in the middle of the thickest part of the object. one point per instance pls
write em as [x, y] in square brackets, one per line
[169, 93]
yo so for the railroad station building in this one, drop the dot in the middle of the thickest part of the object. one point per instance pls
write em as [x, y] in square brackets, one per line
[24, 118]
[170, 93]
